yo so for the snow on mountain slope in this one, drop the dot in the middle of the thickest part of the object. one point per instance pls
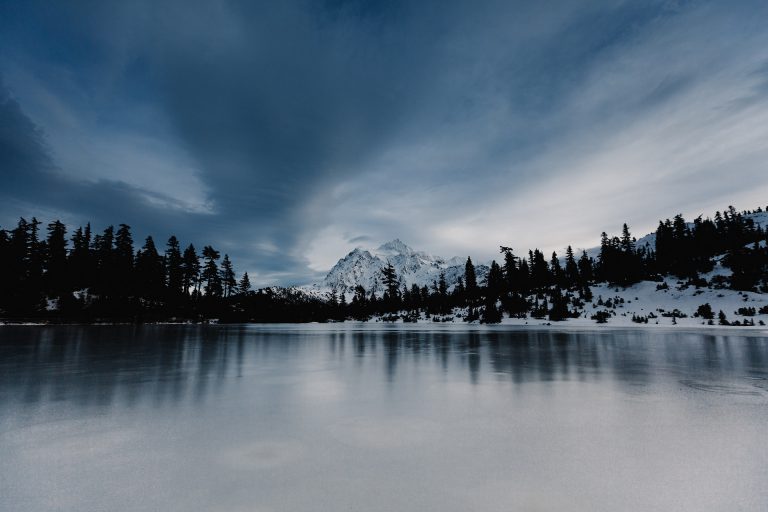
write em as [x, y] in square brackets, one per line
[363, 267]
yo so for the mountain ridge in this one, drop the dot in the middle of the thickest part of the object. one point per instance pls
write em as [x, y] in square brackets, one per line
[362, 267]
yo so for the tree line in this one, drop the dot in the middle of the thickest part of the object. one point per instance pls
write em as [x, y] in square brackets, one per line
[86, 276]
[91, 276]
[557, 288]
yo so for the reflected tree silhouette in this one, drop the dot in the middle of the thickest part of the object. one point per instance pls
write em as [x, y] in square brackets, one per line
[94, 366]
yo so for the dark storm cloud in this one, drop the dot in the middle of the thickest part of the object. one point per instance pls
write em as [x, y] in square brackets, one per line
[32, 185]
[266, 128]
[272, 103]
[31, 178]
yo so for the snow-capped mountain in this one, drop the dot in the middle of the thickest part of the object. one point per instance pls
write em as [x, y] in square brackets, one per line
[363, 267]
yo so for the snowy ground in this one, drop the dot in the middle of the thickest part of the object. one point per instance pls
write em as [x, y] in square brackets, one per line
[643, 299]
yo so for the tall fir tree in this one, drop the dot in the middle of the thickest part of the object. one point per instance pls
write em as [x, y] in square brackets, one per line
[572, 277]
[509, 269]
[150, 271]
[173, 267]
[124, 261]
[558, 275]
[391, 284]
[228, 279]
[56, 276]
[494, 281]
[190, 267]
[210, 274]
[470, 281]
[586, 269]
[244, 287]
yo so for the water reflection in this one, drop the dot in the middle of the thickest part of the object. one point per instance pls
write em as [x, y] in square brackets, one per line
[95, 366]
[378, 418]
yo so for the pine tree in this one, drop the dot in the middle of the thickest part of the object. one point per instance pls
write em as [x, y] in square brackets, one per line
[359, 309]
[509, 270]
[495, 281]
[104, 253]
[79, 260]
[150, 271]
[586, 271]
[558, 276]
[333, 300]
[173, 267]
[35, 250]
[22, 286]
[210, 275]
[123, 261]
[524, 277]
[5, 267]
[35, 262]
[228, 280]
[244, 288]
[571, 268]
[459, 292]
[391, 284]
[540, 275]
[56, 261]
[342, 315]
[470, 281]
[416, 303]
[604, 259]
[627, 242]
[442, 292]
[190, 266]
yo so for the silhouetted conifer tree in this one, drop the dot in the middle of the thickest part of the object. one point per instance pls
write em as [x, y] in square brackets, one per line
[572, 277]
[210, 274]
[228, 280]
[123, 262]
[558, 275]
[190, 267]
[509, 270]
[392, 286]
[244, 287]
[495, 281]
[174, 273]
[150, 271]
[56, 276]
[540, 275]
[470, 281]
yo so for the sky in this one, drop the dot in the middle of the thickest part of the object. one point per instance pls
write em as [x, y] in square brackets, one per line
[287, 133]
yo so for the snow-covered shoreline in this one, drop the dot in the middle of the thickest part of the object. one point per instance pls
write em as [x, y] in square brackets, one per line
[672, 305]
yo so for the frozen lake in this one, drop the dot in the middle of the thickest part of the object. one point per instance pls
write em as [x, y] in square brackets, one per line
[381, 418]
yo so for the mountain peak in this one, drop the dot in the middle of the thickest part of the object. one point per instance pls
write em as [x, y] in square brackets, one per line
[363, 268]
[395, 246]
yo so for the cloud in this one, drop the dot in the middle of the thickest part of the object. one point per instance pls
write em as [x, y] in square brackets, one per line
[287, 133]
[32, 179]
[654, 124]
